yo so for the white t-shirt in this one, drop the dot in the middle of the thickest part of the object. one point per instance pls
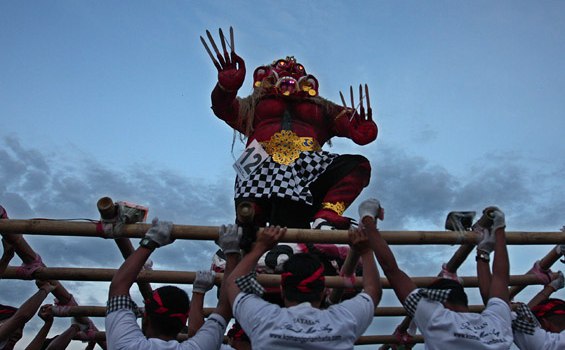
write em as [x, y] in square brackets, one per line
[445, 329]
[270, 326]
[541, 339]
[123, 332]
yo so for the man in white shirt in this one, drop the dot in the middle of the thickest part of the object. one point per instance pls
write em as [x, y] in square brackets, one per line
[541, 328]
[301, 324]
[441, 311]
[166, 312]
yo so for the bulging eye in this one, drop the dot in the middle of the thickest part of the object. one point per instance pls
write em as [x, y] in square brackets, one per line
[300, 68]
[281, 63]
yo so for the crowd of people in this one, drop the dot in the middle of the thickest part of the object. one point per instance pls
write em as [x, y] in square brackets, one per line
[309, 317]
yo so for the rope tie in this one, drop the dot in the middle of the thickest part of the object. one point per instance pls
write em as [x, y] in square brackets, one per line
[61, 310]
[70, 302]
[449, 275]
[544, 276]
[25, 271]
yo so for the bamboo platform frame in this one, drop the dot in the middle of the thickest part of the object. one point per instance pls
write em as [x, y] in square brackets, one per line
[89, 229]
[14, 228]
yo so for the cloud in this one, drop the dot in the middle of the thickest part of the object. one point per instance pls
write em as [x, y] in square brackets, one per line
[416, 194]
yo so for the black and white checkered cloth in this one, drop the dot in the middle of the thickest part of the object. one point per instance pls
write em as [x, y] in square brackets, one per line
[292, 182]
[119, 302]
[413, 299]
[525, 321]
[248, 284]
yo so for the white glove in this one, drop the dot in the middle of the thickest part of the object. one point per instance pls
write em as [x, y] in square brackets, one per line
[488, 240]
[369, 207]
[229, 237]
[204, 281]
[558, 282]
[160, 232]
[498, 220]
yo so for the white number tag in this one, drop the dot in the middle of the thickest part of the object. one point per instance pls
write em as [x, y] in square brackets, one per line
[253, 156]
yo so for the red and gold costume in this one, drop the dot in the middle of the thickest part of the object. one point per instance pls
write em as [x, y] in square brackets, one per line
[300, 182]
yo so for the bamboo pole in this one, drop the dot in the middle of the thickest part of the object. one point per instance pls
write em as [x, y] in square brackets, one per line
[90, 229]
[187, 277]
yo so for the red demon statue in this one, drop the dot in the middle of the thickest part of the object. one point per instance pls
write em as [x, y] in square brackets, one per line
[284, 173]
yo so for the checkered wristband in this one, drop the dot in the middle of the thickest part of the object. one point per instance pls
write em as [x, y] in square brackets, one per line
[248, 284]
[414, 298]
[121, 302]
[525, 321]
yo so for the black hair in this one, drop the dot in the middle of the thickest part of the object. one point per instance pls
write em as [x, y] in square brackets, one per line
[301, 266]
[457, 296]
[176, 301]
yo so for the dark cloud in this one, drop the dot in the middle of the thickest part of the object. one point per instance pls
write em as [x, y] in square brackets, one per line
[410, 188]
[415, 193]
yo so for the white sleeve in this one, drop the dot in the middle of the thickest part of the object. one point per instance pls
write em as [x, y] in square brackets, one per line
[499, 309]
[210, 335]
[248, 309]
[540, 340]
[425, 310]
[362, 308]
[123, 332]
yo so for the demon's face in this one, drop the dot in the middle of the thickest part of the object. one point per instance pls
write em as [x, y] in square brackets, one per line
[287, 77]
[288, 67]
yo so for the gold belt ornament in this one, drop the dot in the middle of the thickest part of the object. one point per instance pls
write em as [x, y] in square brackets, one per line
[285, 146]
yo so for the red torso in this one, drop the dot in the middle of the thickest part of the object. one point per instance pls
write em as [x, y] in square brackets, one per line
[307, 119]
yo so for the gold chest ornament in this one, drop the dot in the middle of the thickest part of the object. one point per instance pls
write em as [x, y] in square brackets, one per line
[285, 146]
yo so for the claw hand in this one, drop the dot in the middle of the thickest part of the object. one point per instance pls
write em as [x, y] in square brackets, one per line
[231, 67]
[362, 128]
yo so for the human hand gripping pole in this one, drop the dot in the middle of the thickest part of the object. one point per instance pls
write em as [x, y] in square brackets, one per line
[204, 281]
[371, 208]
[158, 235]
[487, 242]
[228, 239]
[558, 282]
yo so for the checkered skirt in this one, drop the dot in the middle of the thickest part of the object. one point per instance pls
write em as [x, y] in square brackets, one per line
[292, 181]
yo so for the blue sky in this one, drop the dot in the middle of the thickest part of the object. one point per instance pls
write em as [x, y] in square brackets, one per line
[113, 98]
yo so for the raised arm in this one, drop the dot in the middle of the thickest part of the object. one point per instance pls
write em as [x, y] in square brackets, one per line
[229, 237]
[347, 271]
[359, 239]
[203, 282]
[400, 282]
[550, 288]
[157, 236]
[64, 339]
[27, 310]
[7, 255]
[231, 74]
[267, 238]
[501, 265]
[46, 314]
[484, 249]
